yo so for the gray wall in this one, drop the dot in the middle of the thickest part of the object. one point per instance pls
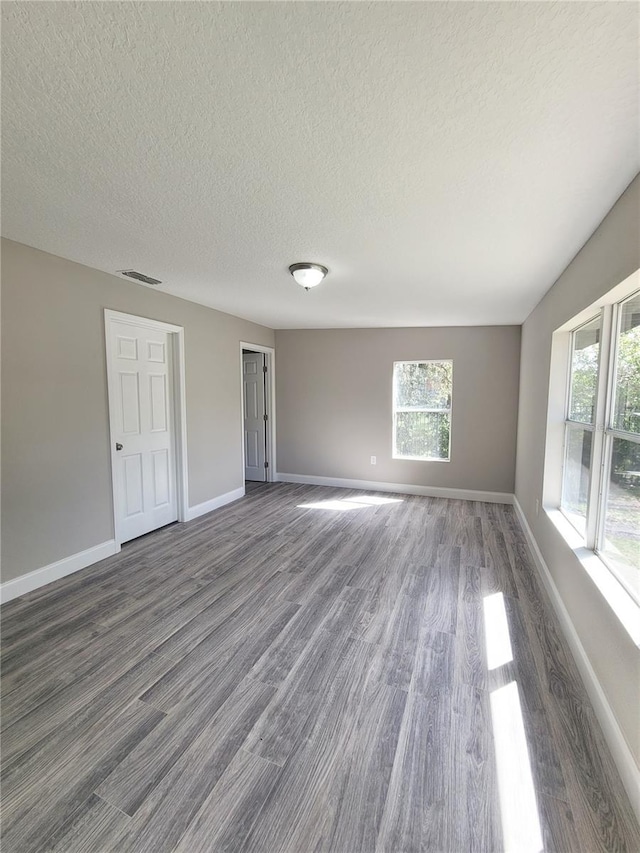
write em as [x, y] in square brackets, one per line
[56, 481]
[609, 257]
[334, 404]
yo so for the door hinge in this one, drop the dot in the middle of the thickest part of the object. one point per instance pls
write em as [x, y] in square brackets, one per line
[266, 464]
[265, 417]
[264, 368]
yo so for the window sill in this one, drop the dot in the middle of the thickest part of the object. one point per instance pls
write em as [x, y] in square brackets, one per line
[419, 459]
[619, 600]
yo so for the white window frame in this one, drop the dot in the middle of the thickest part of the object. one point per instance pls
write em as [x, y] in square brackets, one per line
[603, 432]
[425, 409]
[572, 424]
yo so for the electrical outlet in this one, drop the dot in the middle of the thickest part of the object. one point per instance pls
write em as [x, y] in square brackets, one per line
[373, 460]
[537, 506]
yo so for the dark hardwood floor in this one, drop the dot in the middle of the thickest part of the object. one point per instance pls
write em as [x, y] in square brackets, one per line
[307, 669]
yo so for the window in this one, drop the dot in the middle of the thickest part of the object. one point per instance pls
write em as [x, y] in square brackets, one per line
[422, 409]
[580, 423]
[601, 472]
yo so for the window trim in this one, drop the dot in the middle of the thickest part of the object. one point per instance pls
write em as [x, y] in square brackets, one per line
[570, 423]
[603, 434]
[574, 331]
[395, 410]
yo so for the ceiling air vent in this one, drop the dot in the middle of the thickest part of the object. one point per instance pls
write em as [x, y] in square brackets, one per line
[145, 279]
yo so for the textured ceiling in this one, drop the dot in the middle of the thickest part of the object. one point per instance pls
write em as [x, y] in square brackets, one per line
[444, 160]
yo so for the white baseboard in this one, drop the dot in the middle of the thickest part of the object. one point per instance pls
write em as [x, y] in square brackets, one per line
[400, 488]
[215, 503]
[54, 571]
[622, 755]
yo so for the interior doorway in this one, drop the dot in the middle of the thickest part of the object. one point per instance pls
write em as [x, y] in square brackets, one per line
[145, 378]
[258, 413]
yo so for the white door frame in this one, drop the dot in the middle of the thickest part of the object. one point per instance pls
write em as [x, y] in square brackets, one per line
[270, 404]
[176, 338]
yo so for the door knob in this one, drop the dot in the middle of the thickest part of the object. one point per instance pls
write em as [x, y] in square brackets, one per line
[118, 446]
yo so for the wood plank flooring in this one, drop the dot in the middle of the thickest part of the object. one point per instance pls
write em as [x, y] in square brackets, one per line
[305, 670]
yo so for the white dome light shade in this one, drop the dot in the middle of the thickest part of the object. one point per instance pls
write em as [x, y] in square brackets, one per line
[308, 275]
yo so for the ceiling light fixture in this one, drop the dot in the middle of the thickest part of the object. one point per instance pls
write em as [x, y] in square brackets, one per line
[308, 275]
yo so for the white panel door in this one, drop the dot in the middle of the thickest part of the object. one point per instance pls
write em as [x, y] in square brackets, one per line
[255, 428]
[140, 376]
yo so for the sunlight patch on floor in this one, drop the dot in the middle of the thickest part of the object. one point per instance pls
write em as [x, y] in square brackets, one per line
[346, 504]
[518, 806]
[496, 631]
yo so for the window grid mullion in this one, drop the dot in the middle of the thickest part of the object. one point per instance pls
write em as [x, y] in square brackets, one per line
[579, 425]
[421, 410]
[625, 436]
